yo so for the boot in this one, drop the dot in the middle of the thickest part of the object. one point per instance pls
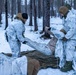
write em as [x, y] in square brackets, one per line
[67, 66]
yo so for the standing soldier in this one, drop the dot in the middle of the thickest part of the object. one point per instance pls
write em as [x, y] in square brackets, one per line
[15, 33]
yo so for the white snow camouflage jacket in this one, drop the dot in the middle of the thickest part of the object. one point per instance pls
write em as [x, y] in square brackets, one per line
[16, 30]
[70, 26]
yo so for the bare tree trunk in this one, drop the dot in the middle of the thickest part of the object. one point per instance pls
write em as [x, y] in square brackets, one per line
[19, 5]
[52, 9]
[71, 2]
[3, 5]
[30, 23]
[35, 16]
[6, 14]
[12, 10]
[75, 4]
[9, 6]
[47, 13]
[62, 2]
[13, 7]
[39, 8]
[44, 15]
[0, 17]
[0, 11]
[25, 6]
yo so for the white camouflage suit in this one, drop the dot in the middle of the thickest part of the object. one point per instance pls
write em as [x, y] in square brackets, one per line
[69, 46]
[15, 33]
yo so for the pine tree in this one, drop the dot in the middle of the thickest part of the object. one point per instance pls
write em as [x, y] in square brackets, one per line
[6, 14]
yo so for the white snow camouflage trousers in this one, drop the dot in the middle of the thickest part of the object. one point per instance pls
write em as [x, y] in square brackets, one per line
[67, 49]
[15, 46]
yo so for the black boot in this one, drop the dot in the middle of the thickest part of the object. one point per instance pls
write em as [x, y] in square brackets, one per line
[67, 66]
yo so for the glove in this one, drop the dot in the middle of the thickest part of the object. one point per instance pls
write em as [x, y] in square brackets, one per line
[64, 39]
[62, 30]
[24, 42]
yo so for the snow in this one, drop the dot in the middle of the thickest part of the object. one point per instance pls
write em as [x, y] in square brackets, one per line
[4, 46]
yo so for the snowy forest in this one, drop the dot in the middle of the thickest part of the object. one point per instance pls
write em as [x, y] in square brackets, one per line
[35, 8]
[44, 40]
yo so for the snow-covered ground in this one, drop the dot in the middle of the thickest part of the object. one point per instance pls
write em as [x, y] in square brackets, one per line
[54, 22]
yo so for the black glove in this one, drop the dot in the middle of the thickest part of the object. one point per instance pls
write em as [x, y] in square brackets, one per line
[64, 39]
[62, 30]
[24, 42]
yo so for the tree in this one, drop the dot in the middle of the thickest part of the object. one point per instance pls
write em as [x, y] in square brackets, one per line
[19, 5]
[6, 14]
[9, 6]
[39, 8]
[46, 14]
[52, 8]
[26, 6]
[75, 4]
[0, 11]
[13, 8]
[62, 2]
[30, 22]
[3, 5]
[0, 17]
[43, 15]
[35, 16]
